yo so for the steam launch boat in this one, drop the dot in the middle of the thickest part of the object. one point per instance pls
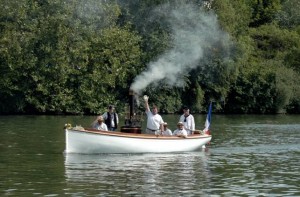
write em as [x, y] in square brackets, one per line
[129, 139]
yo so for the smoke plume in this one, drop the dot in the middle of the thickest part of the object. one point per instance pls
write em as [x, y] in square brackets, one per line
[193, 31]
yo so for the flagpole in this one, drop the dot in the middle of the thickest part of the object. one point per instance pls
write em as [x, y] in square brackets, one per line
[206, 130]
[208, 120]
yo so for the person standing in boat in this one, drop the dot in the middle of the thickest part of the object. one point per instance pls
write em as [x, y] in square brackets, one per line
[180, 131]
[111, 118]
[188, 121]
[167, 131]
[99, 124]
[154, 120]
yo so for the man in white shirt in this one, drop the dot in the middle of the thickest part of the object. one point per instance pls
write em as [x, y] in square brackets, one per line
[154, 120]
[188, 121]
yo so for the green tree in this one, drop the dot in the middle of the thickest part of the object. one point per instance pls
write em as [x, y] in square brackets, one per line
[264, 11]
[234, 16]
[262, 86]
[51, 42]
[77, 57]
[114, 58]
[17, 33]
[289, 16]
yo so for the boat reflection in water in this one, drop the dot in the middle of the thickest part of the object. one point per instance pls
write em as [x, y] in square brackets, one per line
[137, 174]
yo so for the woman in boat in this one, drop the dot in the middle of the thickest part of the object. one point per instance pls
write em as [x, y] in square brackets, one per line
[111, 118]
[154, 120]
[180, 131]
[99, 124]
[188, 121]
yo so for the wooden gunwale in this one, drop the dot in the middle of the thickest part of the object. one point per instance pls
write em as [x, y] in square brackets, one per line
[140, 136]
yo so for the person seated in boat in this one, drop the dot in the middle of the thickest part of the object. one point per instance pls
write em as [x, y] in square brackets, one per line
[180, 131]
[154, 120]
[111, 118]
[167, 131]
[188, 120]
[99, 124]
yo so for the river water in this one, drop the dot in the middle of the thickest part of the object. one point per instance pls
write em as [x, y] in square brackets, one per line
[248, 156]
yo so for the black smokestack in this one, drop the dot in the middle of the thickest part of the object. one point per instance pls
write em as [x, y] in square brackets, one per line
[131, 103]
[133, 118]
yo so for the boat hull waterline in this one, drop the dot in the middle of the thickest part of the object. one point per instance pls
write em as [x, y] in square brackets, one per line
[95, 142]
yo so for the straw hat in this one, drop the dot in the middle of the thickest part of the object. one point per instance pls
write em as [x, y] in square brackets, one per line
[179, 123]
[100, 118]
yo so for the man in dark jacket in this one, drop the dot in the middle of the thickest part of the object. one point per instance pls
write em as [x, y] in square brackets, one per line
[111, 118]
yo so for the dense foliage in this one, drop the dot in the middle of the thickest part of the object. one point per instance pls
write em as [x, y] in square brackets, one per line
[77, 57]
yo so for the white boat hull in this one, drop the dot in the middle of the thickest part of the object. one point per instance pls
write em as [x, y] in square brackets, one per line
[94, 142]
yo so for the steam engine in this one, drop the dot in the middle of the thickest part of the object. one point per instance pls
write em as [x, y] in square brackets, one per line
[133, 119]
